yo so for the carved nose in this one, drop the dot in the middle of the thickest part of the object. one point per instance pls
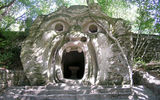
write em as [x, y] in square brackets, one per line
[74, 38]
[82, 39]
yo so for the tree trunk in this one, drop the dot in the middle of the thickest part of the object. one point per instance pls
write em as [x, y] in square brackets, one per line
[7, 5]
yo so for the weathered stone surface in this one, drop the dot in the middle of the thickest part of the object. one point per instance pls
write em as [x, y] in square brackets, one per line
[149, 81]
[149, 49]
[78, 92]
[77, 37]
[3, 79]
[12, 78]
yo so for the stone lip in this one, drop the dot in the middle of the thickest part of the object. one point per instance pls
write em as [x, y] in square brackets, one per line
[73, 46]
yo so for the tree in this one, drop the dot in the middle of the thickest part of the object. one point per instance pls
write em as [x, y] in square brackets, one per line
[7, 6]
[18, 11]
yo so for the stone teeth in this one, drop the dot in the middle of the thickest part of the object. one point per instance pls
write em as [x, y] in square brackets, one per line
[79, 50]
[68, 49]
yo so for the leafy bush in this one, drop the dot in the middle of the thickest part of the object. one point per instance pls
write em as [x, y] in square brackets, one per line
[10, 50]
[139, 63]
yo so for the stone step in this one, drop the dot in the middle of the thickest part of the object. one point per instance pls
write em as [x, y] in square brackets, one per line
[41, 91]
[65, 87]
[27, 87]
[104, 96]
[140, 93]
[67, 92]
[70, 91]
[42, 97]
[50, 87]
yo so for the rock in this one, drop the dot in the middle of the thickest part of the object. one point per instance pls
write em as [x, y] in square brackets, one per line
[72, 37]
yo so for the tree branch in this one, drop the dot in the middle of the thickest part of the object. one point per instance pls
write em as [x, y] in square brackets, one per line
[153, 64]
[9, 4]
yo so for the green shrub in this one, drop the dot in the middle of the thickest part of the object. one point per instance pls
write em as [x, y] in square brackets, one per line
[10, 47]
[139, 63]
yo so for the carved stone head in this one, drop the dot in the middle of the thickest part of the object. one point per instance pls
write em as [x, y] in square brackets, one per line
[75, 45]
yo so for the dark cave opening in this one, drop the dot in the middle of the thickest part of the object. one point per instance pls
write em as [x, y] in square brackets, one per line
[73, 64]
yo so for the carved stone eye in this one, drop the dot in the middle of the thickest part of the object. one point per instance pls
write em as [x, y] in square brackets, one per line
[83, 39]
[93, 28]
[59, 27]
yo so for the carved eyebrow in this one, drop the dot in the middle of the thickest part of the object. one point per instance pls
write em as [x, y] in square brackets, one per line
[57, 16]
[85, 17]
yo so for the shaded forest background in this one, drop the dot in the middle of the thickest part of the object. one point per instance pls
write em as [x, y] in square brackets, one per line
[17, 16]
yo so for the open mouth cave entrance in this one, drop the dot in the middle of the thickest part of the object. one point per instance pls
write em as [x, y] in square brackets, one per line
[73, 64]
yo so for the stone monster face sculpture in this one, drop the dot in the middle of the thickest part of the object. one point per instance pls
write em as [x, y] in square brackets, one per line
[70, 45]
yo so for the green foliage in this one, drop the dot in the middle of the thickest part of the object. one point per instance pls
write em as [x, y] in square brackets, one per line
[5, 55]
[62, 3]
[10, 49]
[22, 10]
[139, 60]
[103, 4]
[139, 63]
[114, 8]
[157, 28]
[144, 21]
[148, 20]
